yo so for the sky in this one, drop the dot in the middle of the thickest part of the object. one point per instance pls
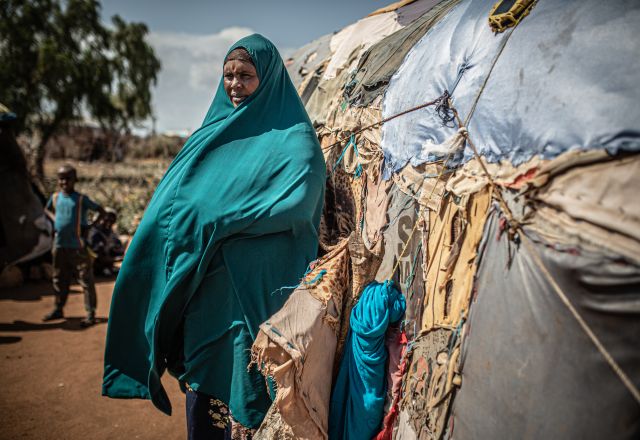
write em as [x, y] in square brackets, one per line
[191, 38]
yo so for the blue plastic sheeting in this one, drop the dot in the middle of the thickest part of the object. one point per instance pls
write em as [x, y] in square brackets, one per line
[567, 79]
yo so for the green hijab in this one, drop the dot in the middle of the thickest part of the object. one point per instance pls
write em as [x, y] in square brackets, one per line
[250, 172]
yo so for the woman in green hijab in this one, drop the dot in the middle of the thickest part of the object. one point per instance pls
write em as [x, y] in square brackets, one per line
[234, 218]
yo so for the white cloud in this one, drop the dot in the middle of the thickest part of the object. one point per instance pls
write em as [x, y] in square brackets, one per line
[191, 69]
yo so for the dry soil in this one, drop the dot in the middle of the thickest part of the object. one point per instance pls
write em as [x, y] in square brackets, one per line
[51, 375]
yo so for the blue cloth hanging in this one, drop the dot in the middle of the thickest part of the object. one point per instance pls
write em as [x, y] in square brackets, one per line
[358, 394]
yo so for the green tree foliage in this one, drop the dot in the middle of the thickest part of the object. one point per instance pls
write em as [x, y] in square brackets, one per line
[60, 63]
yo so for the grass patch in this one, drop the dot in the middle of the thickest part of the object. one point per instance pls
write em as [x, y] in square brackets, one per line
[125, 186]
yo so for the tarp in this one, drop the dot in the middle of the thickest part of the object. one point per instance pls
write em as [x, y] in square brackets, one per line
[381, 61]
[307, 59]
[410, 12]
[358, 37]
[593, 205]
[553, 88]
[529, 370]
[402, 214]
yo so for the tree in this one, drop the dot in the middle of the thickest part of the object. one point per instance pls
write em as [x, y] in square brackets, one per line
[60, 64]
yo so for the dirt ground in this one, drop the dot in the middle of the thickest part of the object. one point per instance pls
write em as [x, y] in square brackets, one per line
[51, 374]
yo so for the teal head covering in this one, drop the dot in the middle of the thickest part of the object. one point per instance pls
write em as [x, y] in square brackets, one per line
[234, 218]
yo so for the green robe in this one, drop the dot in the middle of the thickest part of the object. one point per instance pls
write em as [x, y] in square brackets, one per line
[234, 218]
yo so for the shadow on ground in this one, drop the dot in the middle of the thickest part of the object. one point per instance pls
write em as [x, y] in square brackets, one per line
[28, 292]
[35, 291]
[71, 324]
[10, 339]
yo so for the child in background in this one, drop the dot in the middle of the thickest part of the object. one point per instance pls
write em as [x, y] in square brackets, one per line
[105, 243]
[68, 209]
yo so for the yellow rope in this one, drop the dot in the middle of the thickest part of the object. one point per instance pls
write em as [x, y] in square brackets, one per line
[492, 186]
[515, 14]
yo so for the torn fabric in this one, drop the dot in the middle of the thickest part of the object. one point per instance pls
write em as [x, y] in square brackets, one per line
[358, 37]
[296, 347]
[593, 205]
[453, 240]
[381, 61]
[307, 59]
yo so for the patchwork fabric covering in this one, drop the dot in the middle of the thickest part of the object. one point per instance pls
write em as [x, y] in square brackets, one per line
[492, 177]
[379, 63]
[547, 66]
[523, 344]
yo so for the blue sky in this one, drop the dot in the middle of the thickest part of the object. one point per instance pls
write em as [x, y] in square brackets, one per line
[191, 37]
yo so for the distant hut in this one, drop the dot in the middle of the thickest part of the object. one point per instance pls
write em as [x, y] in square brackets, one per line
[25, 232]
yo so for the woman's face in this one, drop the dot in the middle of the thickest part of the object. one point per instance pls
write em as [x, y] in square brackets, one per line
[240, 80]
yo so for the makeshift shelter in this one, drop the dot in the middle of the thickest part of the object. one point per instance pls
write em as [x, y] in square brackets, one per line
[25, 233]
[484, 158]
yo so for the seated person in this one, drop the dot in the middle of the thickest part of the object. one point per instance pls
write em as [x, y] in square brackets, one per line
[105, 243]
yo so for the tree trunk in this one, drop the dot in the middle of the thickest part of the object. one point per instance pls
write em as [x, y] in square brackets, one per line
[41, 149]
